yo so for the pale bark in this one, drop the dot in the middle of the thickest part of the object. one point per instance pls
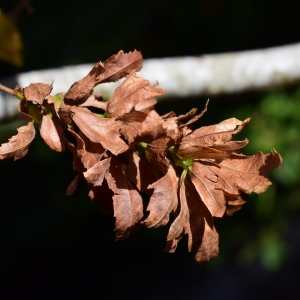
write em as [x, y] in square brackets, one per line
[205, 75]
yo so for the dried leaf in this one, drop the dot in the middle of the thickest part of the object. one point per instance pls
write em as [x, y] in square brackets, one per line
[169, 115]
[156, 152]
[17, 90]
[145, 105]
[177, 227]
[96, 173]
[103, 195]
[17, 146]
[232, 146]
[93, 102]
[141, 172]
[85, 155]
[83, 88]
[90, 153]
[163, 200]
[64, 113]
[127, 202]
[72, 187]
[211, 136]
[37, 92]
[205, 181]
[131, 149]
[194, 226]
[171, 129]
[209, 247]
[203, 238]
[52, 133]
[53, 101]
[198, 152]
[188, 115]
[194, 220]
[120, 65]
[100, 130]
[132, 125]
[234, 202]
[191, 113]
[248, 174]
[132, 91]
[153, 127]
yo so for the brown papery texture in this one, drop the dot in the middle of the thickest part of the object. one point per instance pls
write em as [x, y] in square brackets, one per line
[127, 202]
[132, 125]
[205, 182]
[17, 146]
[83, 88]
[52, 133]
[146, 169]
[120, 65]
[37, 92]
[100, 130]
[132, 91]
[163, 201]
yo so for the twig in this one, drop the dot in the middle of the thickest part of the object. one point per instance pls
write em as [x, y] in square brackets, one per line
[6, 89]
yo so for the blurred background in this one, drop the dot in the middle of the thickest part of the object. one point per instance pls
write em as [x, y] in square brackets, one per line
[52, 245]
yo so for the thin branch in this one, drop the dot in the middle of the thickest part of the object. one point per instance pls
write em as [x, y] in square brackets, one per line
[6, 89]
[205, 75]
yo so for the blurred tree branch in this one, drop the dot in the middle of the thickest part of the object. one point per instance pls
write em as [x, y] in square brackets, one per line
[184, 76]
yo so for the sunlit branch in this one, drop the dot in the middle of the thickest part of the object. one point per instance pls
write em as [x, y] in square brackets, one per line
[204, 75]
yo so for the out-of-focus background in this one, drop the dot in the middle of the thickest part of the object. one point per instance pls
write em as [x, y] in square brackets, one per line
[52, 245]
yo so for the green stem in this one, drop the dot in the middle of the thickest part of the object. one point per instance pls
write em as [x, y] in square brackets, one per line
[140, 148]
[180, 162]
[58, 99]
[33, 110]
[182, 177]
[99, 115]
